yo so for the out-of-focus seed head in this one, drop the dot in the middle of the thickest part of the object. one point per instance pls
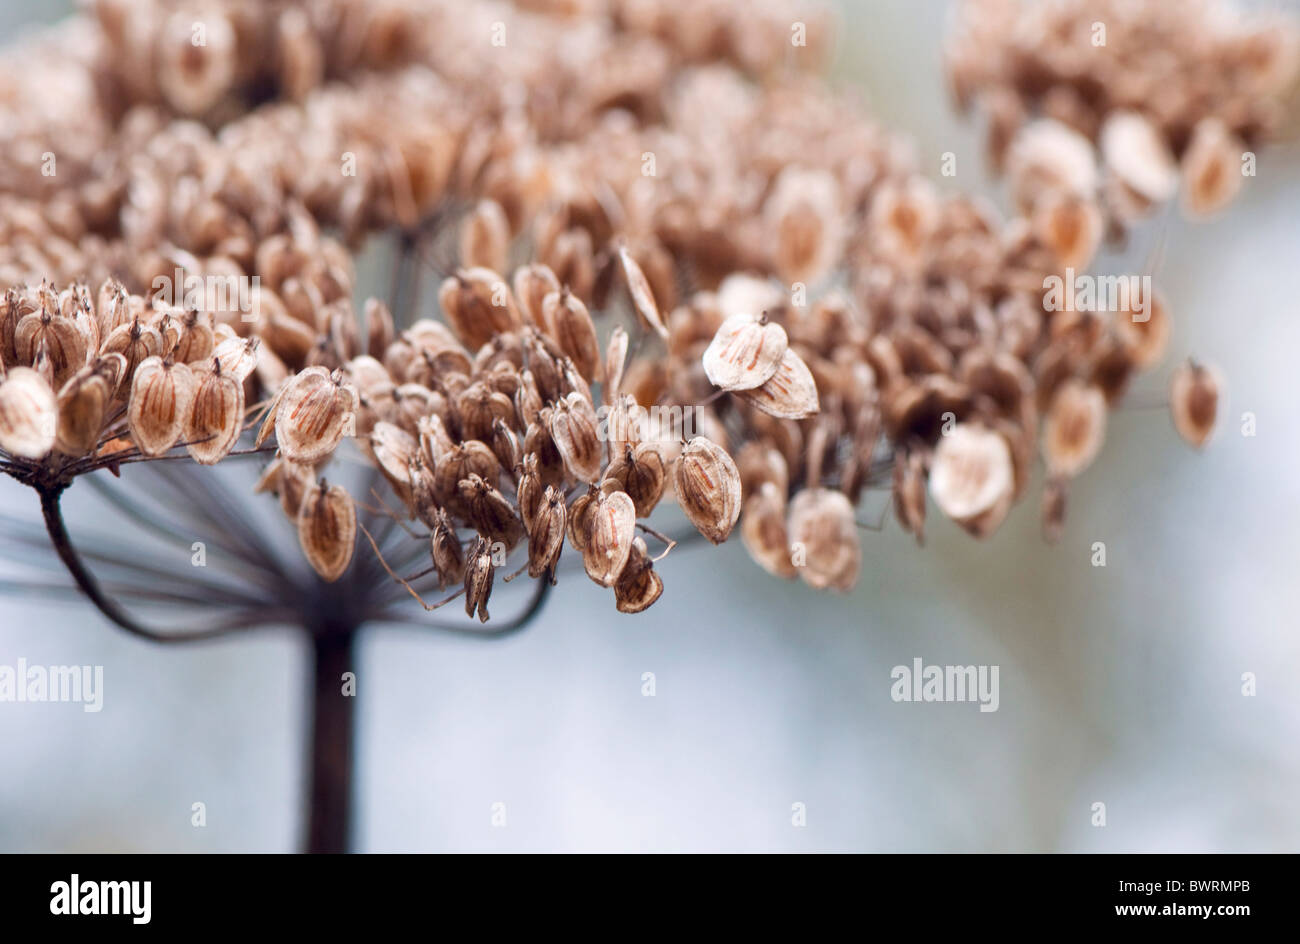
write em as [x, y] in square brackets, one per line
[823, 535]
[1074, 429]
[763, 530]
[1194, 397]
[643, 298]
[972, 478]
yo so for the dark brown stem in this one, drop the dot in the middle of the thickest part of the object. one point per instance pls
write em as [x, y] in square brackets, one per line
[332, 728]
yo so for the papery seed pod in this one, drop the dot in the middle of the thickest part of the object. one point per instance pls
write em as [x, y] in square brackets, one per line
[643, 299]
[909, 493]
[579, 519]
[567, 321]
[216, 416]
[641, 472]
[1055, 497]
[480, 408]
[760, 463]
[804, 216]
[315, 411]
[546, 535]
[485, 237]
[615, 357]
[424, 502]
[488, 511]
[1144, 334]
[532, 283]
[471, 457]
[478, 305]
[607, 525]
[745, 353]
[1194, 397]
[289, 481]
[479, 575]
[1047, 158]
[446, 551]
[972, 478]
[59, 337]
[790, 393]
[638, 586]
[763, 530]
[29, 414]
[238, 356]
[162, 399]
[530, 491]
[82, 403]
[1138, 156]
[571, 257]
[327, 529]
[824, 539]
[1071, 227]
[528, 399]
[135, 342]
[539, 441]
[380, 329]
[707, 484]
[627, 423]
[573, 428]
[1074, 429]
[1211, 168]
[505, 445]
[393, 449]
[196, 340]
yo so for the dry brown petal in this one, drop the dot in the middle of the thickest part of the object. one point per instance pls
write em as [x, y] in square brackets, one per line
[638, 586]
[485, 237]
[29, 414]
[824, 539]
[1194, 396]
[790, 393]
[763, 530]
[1211, 168]
[567, 321]
[640, 471]
[479, 576]
[314, 412]
[216, 417]
[643, 298]
[162, 398]
[745, 353]
[327, 529]
[707, 484]
[972, 478]
[574, 429]
[607, 524]
[546, 535]
[909, 493]
[1074, 429]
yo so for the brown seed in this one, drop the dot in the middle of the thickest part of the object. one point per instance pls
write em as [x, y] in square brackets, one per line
[471, 457]
[707, 484]
[380, 329]
[824, 539]
[574, 429]
[1194, 396]
[162, 397]
[327, 529]
[479, 576]
[607, 524]
[29, 414]
[972, 478]
[569, 323]
[763, 530]
[546, 535]
[745, 353]
[790, 393]
[1074, 429]
[315, 411]
[638, 586]
[640, 471]
[643, 298]
[216, 416]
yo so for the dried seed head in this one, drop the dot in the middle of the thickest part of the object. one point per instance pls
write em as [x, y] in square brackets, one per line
[314, 412]
[162, 398]
[1211, 168]
[763, 530]
[1074, 429]
[1138, 156]
[29, 414]
[972, 478]
[640, 471]
[479, 575]
[638, 586]
[216, 416]
[643, 298]
[546, 535]
[1194, 396]
[574, 428]
[790, 393]
[823, 532]
[745, 353]
[567, 321]
[909, 492]
[707, 484]
[607, 524]
[327, 529]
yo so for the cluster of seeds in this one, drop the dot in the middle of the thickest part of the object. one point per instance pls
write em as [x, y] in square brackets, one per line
[1101, 110]
[655, 287]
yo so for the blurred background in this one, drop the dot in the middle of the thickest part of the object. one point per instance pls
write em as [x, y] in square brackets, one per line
[1119, 684]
